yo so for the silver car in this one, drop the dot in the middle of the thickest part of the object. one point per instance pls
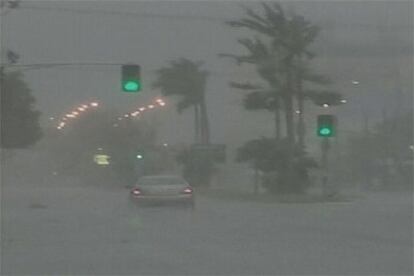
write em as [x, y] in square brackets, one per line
[163, 189]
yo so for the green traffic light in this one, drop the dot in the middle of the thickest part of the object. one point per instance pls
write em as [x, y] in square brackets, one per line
[326, 126]
[131, 86]
[325, 131]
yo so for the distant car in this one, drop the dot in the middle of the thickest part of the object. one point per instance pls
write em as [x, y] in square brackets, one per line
[163, 189]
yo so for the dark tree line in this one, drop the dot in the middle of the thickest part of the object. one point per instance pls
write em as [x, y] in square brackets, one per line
[19, 120]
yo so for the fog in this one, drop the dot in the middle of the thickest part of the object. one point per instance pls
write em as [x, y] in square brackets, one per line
[63, 213]
[349, 30]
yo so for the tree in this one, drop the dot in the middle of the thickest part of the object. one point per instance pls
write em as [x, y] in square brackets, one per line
[291, 37]
[270, 157]
[286, 58]
[185, 78]
[20, 126]
[261, 98]
[197, 170]
[7, 6]
[19, 121]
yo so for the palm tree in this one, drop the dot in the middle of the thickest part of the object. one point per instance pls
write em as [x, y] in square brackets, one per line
[259, 97]
[185, 78]
[290, 38]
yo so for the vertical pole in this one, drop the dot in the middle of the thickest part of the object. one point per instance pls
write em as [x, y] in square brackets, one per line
[325, 145]
[196, 124]
[367, 179]
[277, 123]
[256, 181]
[385, 137]
[301, 119]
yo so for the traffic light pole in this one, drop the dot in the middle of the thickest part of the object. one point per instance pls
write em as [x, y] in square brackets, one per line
[325, 146]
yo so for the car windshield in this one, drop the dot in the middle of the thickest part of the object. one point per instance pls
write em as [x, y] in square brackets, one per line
[206, 137]
[161, 181]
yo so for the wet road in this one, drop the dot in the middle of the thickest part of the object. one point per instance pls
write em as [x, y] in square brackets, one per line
[73, 230]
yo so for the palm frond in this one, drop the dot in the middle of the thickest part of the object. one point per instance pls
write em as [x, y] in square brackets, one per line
[249, 12]
[183, 78]
[252, 25]
[261, 99]
[324, 97]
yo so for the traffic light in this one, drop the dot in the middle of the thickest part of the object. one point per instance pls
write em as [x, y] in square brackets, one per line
[131, 78]
[326, 125]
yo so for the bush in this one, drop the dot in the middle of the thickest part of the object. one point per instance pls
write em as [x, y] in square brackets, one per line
[286, 183]
[271, 157]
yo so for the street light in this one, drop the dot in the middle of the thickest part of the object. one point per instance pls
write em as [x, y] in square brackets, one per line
[355, 82]
[94, 104]
[325, 105]
[160, 102]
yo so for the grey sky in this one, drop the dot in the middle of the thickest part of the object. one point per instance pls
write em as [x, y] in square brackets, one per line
[351, 46]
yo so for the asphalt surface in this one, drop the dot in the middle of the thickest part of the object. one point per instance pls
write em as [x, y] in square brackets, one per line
[70, 229]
